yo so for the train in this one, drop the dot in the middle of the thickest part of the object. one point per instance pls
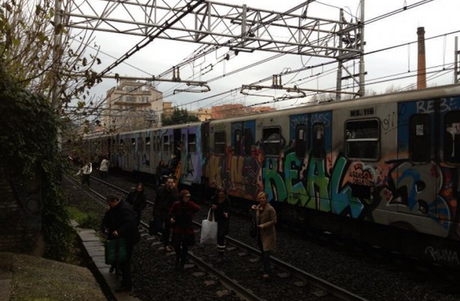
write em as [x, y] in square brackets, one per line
[383, 169]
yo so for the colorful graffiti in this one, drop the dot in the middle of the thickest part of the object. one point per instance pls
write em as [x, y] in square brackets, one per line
[348, 188]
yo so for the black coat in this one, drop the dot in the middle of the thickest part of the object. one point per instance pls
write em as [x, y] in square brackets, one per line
[164, 200]
[222, 221]
[122, 219]
[137, 200]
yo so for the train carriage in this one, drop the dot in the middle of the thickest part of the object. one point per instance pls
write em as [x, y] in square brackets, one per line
[381, 169]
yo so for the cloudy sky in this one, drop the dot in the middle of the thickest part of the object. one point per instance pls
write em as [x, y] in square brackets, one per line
[438, 17]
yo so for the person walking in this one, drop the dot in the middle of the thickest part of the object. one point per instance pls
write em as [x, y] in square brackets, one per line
[137, 200]
[221, 210]
[104, 167]
[183, 235]
[265, 216]
[120, 221]
[166, 195]
[85, 173]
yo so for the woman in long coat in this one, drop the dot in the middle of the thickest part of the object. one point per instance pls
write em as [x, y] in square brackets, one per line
[183, 235]
[265, 216]
[221, 210]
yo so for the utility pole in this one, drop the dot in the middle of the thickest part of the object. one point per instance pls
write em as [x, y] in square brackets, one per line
[362, 70]
[56, 63]
[456, 55]
[56, 54]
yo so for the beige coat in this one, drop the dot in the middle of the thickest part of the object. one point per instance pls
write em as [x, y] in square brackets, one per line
[267, 219]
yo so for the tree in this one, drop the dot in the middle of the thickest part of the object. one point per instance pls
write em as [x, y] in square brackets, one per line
[44, 56]
[179, 116]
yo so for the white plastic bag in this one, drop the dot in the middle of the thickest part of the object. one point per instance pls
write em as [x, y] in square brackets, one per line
[209, 230]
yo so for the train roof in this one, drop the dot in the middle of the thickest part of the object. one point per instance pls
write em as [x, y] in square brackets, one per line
[422, 94]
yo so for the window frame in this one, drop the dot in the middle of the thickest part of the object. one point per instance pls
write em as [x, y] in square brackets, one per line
[370, 140]
[220, 144]
[272, 147]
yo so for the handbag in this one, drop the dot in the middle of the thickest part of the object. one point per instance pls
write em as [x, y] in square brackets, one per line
[253, 231]
[209, 230]
[115, 251]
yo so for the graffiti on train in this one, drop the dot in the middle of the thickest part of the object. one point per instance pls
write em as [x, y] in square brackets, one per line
[348, 187]
[442, 255]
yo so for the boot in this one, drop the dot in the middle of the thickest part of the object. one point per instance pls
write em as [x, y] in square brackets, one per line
[177, 264]
[220, 257]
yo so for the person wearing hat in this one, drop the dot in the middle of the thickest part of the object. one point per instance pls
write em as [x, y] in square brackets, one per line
[183, 235]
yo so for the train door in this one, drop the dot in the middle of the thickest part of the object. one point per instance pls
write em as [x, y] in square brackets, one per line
[319, 165]
[277, 173]
[296, 158]
[205, 153]
[450, 127]
[417, 179]
[166, 141]
[191, 158]
[243, 165]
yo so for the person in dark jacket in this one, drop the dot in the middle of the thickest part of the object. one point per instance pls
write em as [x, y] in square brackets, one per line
[137, 200]
[120, 221]
[221, 210]
[183, 235]
[166, 196]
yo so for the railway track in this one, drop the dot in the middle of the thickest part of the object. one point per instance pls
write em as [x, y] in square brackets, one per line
[298, 279]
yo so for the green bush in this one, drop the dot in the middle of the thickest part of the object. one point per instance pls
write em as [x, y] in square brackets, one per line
[85, 220]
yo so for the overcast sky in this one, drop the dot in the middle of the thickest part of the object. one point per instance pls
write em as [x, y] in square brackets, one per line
[438, 17]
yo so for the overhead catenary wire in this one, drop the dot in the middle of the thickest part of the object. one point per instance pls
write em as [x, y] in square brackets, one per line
[298, 70]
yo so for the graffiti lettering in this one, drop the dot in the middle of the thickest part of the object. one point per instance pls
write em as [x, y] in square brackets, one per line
[321, 118]
[428, 106]
[297, 193]
[361, 175]
[274, 183]
[342, 196]
[389, 123]
[317, 183]
[442, 255]
[300, 119]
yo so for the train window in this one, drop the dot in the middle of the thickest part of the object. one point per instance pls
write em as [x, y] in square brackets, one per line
[165, 143]
[362, 139]
[147, 141]
[191, 143]
[237, 145]
[220, 142]
[452, 137]
[271, 141]
[248, 141]
[419, 138]
[318, 141]
[133, 141]
[122, 141]
[300, 140]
